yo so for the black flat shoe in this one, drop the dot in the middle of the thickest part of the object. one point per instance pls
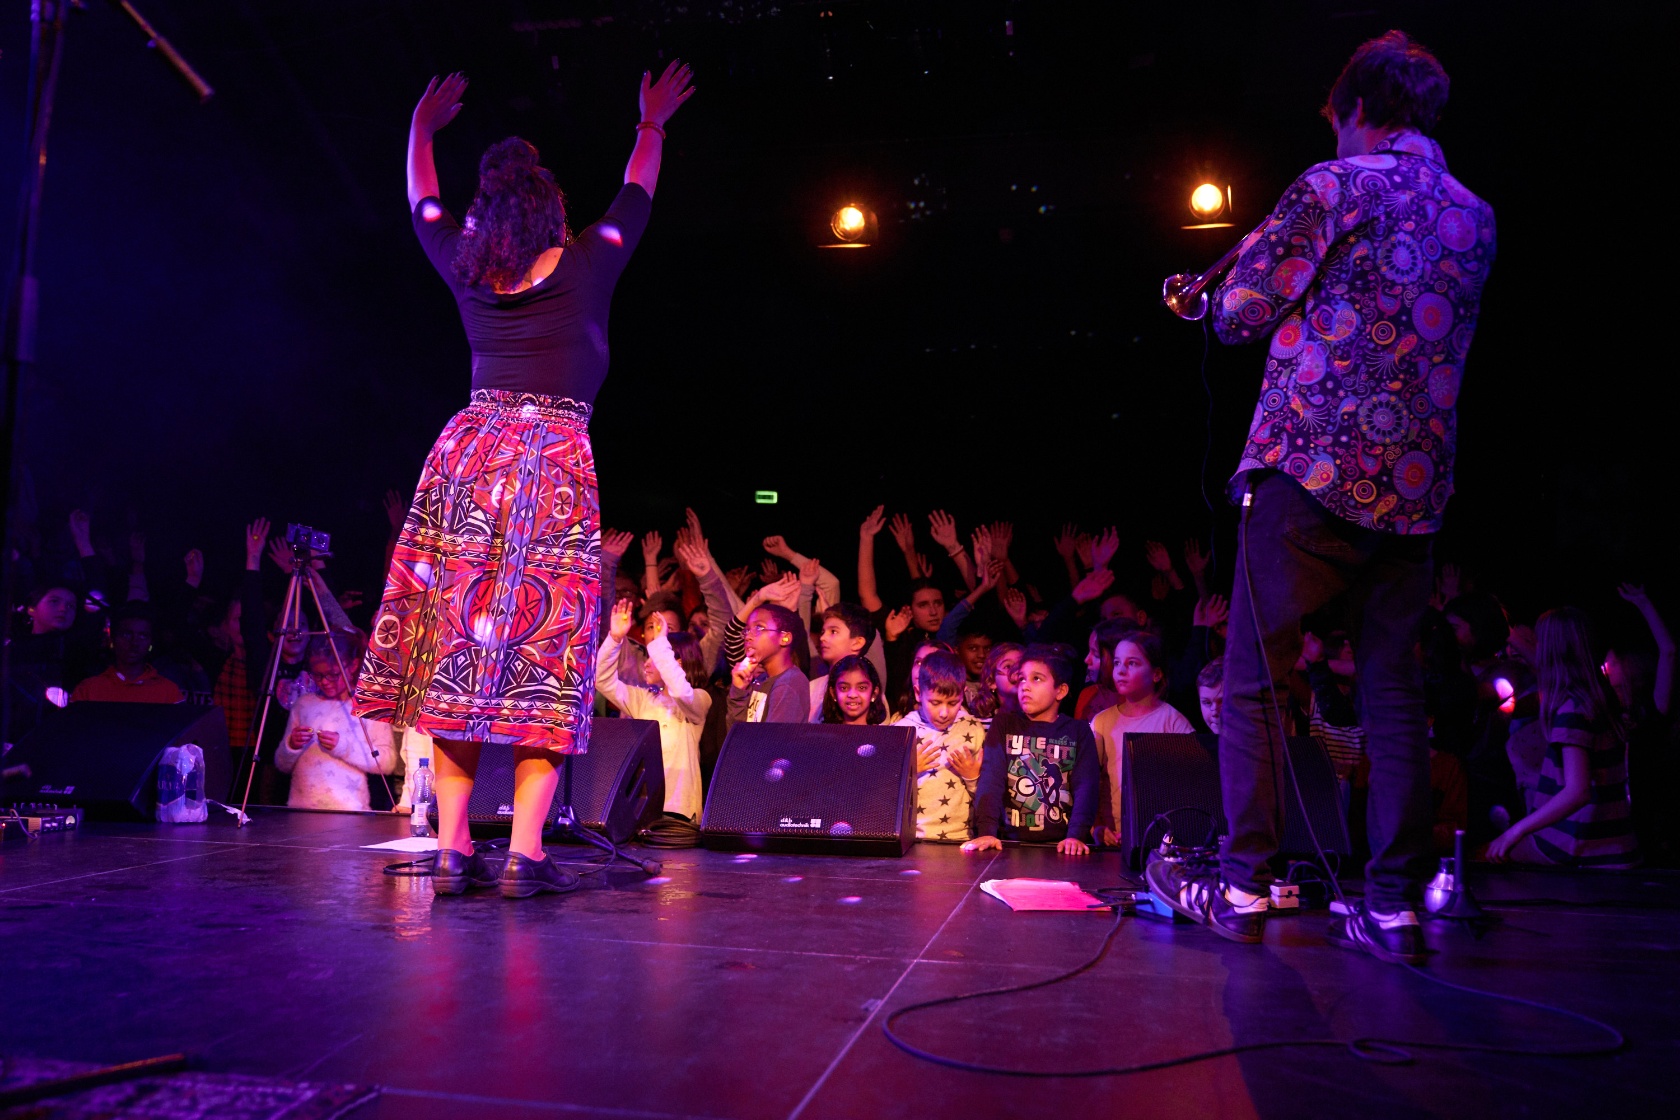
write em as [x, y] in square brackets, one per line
[454, 873]
[523, 876]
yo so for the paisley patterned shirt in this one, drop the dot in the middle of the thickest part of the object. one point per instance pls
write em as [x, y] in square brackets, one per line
[1367, 279]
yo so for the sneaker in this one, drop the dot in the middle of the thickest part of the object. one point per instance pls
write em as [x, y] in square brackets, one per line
[1200, 896]
[454, 873]
[523, 876]
[1396, 938]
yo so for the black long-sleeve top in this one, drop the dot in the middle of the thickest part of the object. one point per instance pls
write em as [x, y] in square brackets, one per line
[552, 337]
[1056, 762]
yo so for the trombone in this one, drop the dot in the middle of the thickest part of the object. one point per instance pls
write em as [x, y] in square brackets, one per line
[1185, 294]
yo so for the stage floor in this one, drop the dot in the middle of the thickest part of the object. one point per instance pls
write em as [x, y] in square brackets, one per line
[754, 988]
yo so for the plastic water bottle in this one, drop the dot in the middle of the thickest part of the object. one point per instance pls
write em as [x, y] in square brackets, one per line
[420, 799]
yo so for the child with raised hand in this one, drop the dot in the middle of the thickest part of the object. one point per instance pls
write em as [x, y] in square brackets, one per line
[672, 693]
[1040, 779]
[852, 694]
[766, 686]
[1586, 819]
[1140, 687]
[948, 749]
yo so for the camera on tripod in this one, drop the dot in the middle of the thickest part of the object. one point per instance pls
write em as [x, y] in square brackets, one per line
[305, 538]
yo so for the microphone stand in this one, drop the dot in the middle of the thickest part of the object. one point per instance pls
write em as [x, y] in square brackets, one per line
[47, 20]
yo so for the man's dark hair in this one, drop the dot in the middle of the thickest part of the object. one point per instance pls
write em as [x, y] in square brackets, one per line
[855, 619]
[942, 673]
[1059, 659]
[133, 609]
[661, 601]
[1401, 84]
[924, 583]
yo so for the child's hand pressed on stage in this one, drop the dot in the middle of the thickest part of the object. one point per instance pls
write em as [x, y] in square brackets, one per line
[983, 844]
[1072, 847]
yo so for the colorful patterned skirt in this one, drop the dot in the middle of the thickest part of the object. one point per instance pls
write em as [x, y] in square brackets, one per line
[487, 629]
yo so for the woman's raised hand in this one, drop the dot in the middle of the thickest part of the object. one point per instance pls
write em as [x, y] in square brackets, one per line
[623, 617]
[662, 98]
[439, 104]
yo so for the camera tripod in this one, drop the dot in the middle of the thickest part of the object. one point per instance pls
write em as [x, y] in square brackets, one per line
[291, 624]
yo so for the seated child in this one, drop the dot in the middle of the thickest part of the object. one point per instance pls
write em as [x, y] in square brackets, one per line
[853, 693]
[766, 686]
[1586, 820]
[1210, 692]
[846, 630]
[1040, 778]
[948, 746]
[672, 693]
[327, 750]
[1140, 682]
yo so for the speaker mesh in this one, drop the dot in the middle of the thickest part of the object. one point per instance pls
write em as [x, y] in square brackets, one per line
[814, 780]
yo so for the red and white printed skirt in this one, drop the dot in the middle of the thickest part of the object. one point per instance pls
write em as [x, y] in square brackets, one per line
[487, 629]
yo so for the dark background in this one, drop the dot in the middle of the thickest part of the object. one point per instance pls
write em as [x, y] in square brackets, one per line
[235, 319]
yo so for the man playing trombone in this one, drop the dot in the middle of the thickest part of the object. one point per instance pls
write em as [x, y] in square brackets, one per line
[1364, 282]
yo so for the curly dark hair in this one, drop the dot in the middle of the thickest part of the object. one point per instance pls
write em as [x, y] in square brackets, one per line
[518, 213]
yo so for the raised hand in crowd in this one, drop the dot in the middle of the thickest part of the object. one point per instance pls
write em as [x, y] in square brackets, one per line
[1662, 688]
[942, 527]
[808, 572]
[1161, 560]
[1003, 534]
[623, 619]
[1104, 547]
[1086, 547]
[1067, 547]
[81, 532]
[740, 579]
[905, 534]
[349, 599]
[1093, 586]
[652, 545]
[896, 623]
[1015, 605]
[693, 556]
[256, 535]
[777, 546]
[769, 571]
[1196, 561]
[1210, 611]
[615, 543]
[869, 594]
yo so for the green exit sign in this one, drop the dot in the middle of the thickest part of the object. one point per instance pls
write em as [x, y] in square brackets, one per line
[765, 497]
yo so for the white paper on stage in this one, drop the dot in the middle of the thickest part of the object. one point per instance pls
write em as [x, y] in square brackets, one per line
[406, 844]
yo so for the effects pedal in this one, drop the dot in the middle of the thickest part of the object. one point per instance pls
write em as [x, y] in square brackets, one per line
[1286, 896]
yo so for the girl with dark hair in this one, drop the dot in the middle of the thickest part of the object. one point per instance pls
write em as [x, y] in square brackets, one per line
[1140, 687]
[1586, 820]
[854, 693]
[487, 630]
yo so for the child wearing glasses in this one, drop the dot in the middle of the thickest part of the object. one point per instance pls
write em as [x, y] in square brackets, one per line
[327, 750]
[766, 686]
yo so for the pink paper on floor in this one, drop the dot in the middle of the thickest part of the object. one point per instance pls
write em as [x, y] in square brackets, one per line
[1040, 894]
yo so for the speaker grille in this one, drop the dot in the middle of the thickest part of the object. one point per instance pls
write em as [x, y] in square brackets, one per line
[623, 753]
[812, 780]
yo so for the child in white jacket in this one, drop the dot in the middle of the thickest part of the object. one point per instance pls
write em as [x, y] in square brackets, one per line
[672, 693]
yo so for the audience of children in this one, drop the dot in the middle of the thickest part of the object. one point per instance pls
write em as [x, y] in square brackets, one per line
[1531, 725]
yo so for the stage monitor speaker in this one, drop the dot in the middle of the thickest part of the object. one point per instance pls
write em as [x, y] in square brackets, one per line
[618, 784]
[104, 756]
[1178, 775]
[813, 787]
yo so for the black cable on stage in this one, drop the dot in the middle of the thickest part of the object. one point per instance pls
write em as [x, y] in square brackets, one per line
[1369, 1048]
[670, 832]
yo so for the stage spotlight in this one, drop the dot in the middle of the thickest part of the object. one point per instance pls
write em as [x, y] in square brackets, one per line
[848, 223]
[1209, 202]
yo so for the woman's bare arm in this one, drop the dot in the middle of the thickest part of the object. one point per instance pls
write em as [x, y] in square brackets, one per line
[659, 100]
[438, 106]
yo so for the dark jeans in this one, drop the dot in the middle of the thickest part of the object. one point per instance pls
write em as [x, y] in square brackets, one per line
[1299, 557]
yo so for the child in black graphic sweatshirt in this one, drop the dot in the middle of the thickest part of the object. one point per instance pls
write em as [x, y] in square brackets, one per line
[1039, 774]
